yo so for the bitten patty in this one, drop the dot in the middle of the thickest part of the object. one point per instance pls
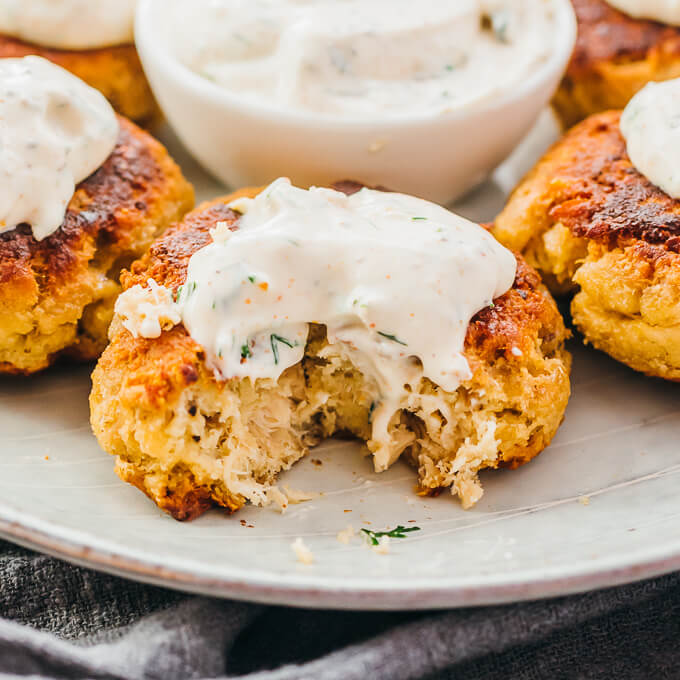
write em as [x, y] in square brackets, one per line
[190, 441]
[592, 224]
[57, 295]
[115, 71]
[615, 56]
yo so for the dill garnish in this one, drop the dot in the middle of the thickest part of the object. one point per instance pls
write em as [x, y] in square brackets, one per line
[419, 218]
[393, 338]
[251, 279]
[245, 352]
[273, 339]
[398, 532]
[186, 289]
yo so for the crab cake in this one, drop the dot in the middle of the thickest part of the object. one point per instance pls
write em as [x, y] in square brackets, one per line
[593, 225]
[115, 71]
[57, 294]
[190, 441]
[615, 56]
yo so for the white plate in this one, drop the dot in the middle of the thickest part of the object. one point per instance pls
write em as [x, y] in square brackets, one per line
[599, 507]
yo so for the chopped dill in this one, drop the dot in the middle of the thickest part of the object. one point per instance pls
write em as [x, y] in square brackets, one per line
[251, 279]
[393, 338]
[245, 352]
[419, 218]
[273, 339]
[398, 532]
[187, 290]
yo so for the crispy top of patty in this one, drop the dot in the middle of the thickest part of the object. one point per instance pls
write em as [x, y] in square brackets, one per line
[108, 209]
[593, 189]
[515, 321]
[606, 34]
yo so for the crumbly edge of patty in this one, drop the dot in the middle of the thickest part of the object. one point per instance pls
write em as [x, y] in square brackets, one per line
[57, 295]
[190, 441]
[628, 305]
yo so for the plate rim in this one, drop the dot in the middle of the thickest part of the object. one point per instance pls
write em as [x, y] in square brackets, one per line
[71, 546]
[305, 588]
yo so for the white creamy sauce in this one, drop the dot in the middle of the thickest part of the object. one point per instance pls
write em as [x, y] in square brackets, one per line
[54, 132]
[395, 279]
[664, 11]
[651, 126]
[352, 57]
[69, 24]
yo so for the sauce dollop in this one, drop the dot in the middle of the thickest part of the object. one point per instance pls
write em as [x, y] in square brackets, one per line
[354, 58]
[54, 132]
[395, 280]
[69, 24]
[650, 125]
[664, 11]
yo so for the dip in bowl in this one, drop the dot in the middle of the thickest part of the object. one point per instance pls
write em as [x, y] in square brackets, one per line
[425, 98]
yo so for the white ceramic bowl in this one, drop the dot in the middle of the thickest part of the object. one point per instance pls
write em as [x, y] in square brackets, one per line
[438, 157]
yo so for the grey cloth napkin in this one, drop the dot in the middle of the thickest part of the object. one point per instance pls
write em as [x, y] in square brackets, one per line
[60, 621]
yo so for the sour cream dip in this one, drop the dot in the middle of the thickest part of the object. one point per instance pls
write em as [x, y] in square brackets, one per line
[54, 132]
[69, 24]
[664, 11]
[650, 125]
[353, 58]
[395, 280]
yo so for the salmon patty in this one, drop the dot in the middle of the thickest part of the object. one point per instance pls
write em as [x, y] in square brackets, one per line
[115, 71]
[191, 441]
[57, 295]
[594, 226]
[615, 57]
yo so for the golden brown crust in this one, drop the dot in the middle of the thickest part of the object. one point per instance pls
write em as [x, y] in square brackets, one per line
[614, 57]
[607, 35]
[587, 183]
[592, 224]
[45, 286]
[115, 71]
[185, 501]
[514, 320]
